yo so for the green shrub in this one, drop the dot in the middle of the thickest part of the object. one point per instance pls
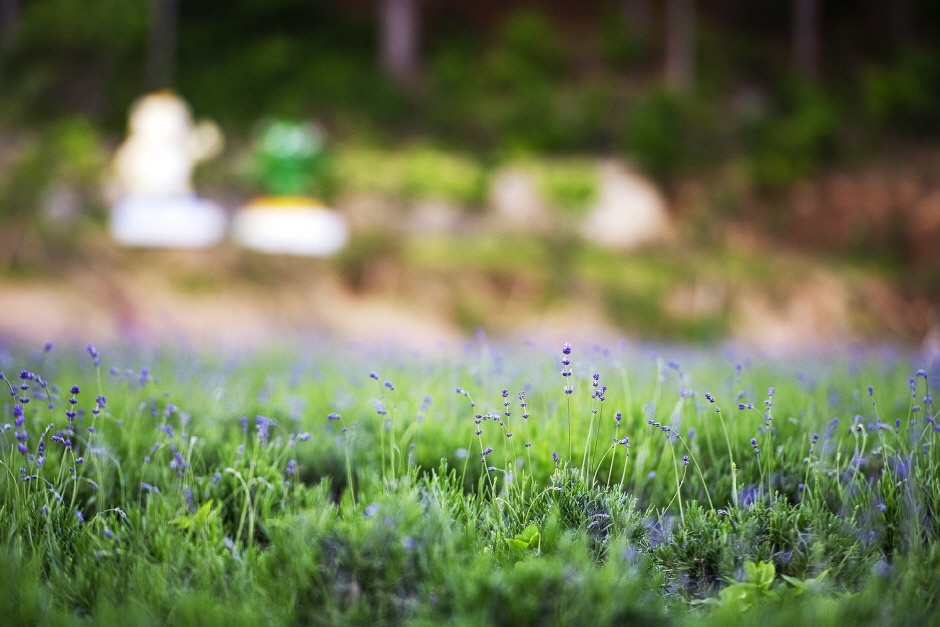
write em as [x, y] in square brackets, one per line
[668, 133]
[414, 173]
[570, 185]
[789, 146]
[905, 97]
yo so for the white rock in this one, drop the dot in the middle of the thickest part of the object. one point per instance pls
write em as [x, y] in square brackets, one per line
[516, 199]
[294, 228]
[433, 217]
[629, 212]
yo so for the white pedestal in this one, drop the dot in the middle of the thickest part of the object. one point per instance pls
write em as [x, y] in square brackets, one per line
[182, 221]
[293, 226]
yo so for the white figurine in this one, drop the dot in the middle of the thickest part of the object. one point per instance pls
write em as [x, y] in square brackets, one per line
[156, 205]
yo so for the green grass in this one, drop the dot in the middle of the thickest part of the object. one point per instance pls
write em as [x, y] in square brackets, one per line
[194, 511]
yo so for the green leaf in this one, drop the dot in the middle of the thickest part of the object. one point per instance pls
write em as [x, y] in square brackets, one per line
[761, 574]
[518, 546]
[528, 533]
[534, 540]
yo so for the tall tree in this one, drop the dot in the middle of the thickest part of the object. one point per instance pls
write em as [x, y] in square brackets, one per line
[399, 40]
[9, 15]
[806, 37]
[680, 43]
[638, 15]
[161, 43]
[902, 21]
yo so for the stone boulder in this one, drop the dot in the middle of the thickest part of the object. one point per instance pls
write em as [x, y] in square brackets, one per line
[517, 202]
[630, 211]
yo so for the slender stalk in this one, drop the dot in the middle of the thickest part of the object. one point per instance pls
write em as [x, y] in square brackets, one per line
[734, 468]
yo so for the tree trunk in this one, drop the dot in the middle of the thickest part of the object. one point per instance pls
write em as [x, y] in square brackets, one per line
[9, 15]
[399, 40]
[638, 15]
[680, 43]
[806, 37]
[902, 22]
[161, 43]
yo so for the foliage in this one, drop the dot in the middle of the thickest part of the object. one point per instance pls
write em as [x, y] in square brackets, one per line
[669, 133]
[306, 488]
[904, 96]
[415, 173]
[790, 146]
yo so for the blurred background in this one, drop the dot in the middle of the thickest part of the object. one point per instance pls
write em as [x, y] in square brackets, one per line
[667, 170]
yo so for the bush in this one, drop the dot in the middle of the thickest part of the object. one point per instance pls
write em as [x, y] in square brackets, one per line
[416, 172]
[791, 145]
[905, 97]
[668, 133]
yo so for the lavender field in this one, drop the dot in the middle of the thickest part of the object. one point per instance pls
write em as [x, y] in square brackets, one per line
[495, 484]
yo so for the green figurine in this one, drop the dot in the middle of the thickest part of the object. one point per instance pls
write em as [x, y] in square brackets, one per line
[291, 159]
[292, 166]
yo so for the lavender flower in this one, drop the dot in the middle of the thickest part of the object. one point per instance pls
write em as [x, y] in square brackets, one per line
[179, 464]
[262, 425]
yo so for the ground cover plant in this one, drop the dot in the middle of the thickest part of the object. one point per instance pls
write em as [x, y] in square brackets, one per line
[497, 485]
